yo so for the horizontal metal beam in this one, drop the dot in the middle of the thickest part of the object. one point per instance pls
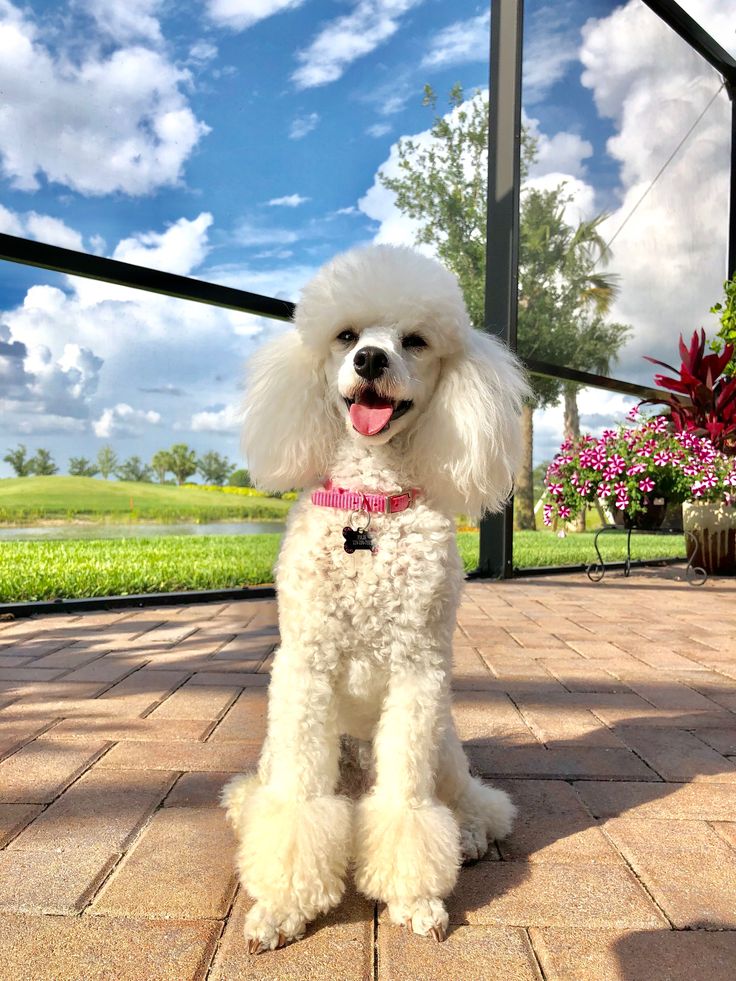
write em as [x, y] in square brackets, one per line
[88, 604]
[98, 267]
[590, 380]
[696, 36]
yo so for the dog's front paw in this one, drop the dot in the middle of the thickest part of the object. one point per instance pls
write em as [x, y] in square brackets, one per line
[266, 928]
[425, 917]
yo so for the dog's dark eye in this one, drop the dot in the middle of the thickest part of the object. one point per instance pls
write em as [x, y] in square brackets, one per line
[347, 336]
[413, 340]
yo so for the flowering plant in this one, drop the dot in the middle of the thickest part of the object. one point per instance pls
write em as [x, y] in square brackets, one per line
[624, 467]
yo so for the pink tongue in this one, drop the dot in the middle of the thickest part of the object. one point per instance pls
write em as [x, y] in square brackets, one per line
[370, 419]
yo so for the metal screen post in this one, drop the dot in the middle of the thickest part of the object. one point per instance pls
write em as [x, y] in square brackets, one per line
[731, 88]
[502, 232]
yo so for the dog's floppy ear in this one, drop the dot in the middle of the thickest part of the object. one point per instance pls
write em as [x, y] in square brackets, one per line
[289, 425]
[467, 446]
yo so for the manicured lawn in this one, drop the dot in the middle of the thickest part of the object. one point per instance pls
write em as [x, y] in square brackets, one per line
[51, 569]
[24, 500]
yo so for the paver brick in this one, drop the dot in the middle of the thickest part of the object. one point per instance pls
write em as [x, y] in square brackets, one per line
[181, 866]
[590, 894]
[40, 948]
[196, 702]
[639, 955]
[51, 881]
[150, 729]
[679, 756]
[552, 825]
[231, 757]
[246, 719]
[338, 946]
[102, 809]
[486, 715]
[671, 801]
[198, 789]
[14, 817]
[575, 762]
[686, 866]
[39, 771]
[470, 953]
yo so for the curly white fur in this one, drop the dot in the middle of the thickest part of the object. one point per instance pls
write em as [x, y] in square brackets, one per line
[366, 638]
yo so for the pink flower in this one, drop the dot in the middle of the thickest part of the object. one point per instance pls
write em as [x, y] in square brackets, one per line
[633, 413]
[620, 488]
[555, 489]
[564, 511]
[622, 502]
[646, 485]
[604, 489]
[661, 459]
[635, 469]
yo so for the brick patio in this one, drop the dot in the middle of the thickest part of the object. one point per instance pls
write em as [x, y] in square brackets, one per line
[608, 711]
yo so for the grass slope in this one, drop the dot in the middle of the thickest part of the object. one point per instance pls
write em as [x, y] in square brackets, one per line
[24, 500]
[52, 569]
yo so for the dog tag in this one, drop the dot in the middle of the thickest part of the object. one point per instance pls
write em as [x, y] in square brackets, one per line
[355, 540]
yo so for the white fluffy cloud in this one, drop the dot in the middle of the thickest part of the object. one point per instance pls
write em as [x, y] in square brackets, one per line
[303, 125]
[106, 123]
[287, 201]
[241, 14]
[346, 38]
[227, 419]
[126, 20]
[123, 420]
[42, 228]
[462, 41]
[670, 256]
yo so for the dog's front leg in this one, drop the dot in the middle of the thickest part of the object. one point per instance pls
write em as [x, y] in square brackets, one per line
[294, 832]
[407, 844]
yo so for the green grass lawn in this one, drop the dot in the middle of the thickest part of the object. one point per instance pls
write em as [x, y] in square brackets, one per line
[25, 500]
[66, 569]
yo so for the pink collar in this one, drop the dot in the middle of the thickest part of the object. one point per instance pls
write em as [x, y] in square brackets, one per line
[342, 497]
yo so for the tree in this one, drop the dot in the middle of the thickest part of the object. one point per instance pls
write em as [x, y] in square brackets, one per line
[215, 469]
[21, 464]
[134, 470]
[183, 462]
[161, 464]
[442, 185]
[42, 464]
[107, 461]
[240, 478]
[79, 466]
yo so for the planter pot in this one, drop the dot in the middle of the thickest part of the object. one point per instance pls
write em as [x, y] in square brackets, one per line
[711, 543]
[651, 518]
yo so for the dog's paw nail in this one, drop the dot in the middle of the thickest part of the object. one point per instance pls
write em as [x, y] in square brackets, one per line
[254, 946]
[438, 933]
[407, 923]
[281, 942]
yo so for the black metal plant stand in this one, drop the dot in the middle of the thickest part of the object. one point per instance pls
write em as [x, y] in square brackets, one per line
[695, 575]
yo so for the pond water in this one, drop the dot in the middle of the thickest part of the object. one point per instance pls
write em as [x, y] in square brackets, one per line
[74, 531]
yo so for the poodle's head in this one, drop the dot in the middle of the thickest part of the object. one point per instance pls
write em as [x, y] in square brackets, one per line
[383, 350]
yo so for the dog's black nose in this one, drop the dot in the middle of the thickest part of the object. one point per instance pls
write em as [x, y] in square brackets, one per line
[370, 362]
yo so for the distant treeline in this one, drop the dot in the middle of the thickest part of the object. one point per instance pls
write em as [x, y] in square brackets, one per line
[179, 461]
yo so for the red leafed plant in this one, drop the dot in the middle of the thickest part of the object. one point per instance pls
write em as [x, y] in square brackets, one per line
[709, 408]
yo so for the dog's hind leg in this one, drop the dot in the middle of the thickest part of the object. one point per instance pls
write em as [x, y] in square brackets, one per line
[483, 813]
[293, 830]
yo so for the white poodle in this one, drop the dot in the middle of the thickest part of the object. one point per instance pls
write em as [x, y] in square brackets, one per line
[395, 414]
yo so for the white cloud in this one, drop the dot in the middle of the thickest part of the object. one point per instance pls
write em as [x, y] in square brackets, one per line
[249, 234]
[550, 48]
[228, 419]
[113, 122]
[288, 201]
[241, 14]
[42, 228]
[303, 125]
[462, 41]
[670, 256]
[202, 52]
[126, 20]
[180, 249]
[347, 38]
[123, 420]
[378, 130]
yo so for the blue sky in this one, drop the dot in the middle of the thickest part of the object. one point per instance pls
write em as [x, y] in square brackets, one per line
[239, 141]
